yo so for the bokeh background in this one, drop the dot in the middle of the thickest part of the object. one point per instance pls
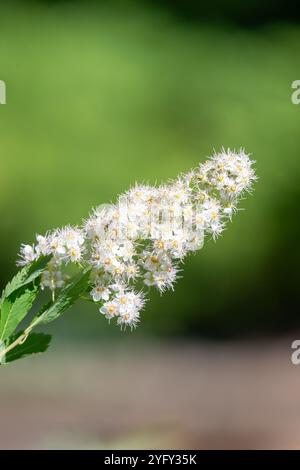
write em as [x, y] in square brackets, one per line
[103, 94]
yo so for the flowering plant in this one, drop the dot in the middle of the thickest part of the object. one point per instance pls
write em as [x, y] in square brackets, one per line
[139, 241]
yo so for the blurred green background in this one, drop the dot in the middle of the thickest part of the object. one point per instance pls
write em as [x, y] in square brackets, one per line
[100, 95]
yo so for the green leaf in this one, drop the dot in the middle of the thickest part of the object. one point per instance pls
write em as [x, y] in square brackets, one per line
[66, 298]
[35, 343]
[25, 276]
[14, 308]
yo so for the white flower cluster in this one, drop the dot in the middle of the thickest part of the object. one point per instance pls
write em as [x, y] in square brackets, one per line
[143, 238]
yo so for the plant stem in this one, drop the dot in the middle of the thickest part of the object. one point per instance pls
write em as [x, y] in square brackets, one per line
[21, 339]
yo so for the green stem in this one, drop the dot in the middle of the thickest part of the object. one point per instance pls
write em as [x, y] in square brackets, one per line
[21, 339]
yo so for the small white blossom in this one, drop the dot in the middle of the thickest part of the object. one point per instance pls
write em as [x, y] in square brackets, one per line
[100, 293]
[27, 255]
[56, 245]
[129, 318]
[110, 309]
[42, 246]
[74, 253]
[72, 237]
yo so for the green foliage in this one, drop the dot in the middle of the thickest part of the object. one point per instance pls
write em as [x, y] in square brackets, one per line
[35, 343]
[25, 276]
[14, 308]
[18, 298]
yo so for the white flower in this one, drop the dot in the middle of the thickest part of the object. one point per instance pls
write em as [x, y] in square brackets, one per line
[132, 271]
[118, 286]
[126, 250]
[42, 247]
[117, 268]
[146, 234]
[56, 245]
[130, 318]
[72, 237]
[110, 309]
[74, 253]
[137, 299]
[100, 293]
[195, 241]
[162, 279]
[27, 255]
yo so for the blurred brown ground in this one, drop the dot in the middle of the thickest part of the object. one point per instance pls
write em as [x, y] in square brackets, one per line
[177, 395]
